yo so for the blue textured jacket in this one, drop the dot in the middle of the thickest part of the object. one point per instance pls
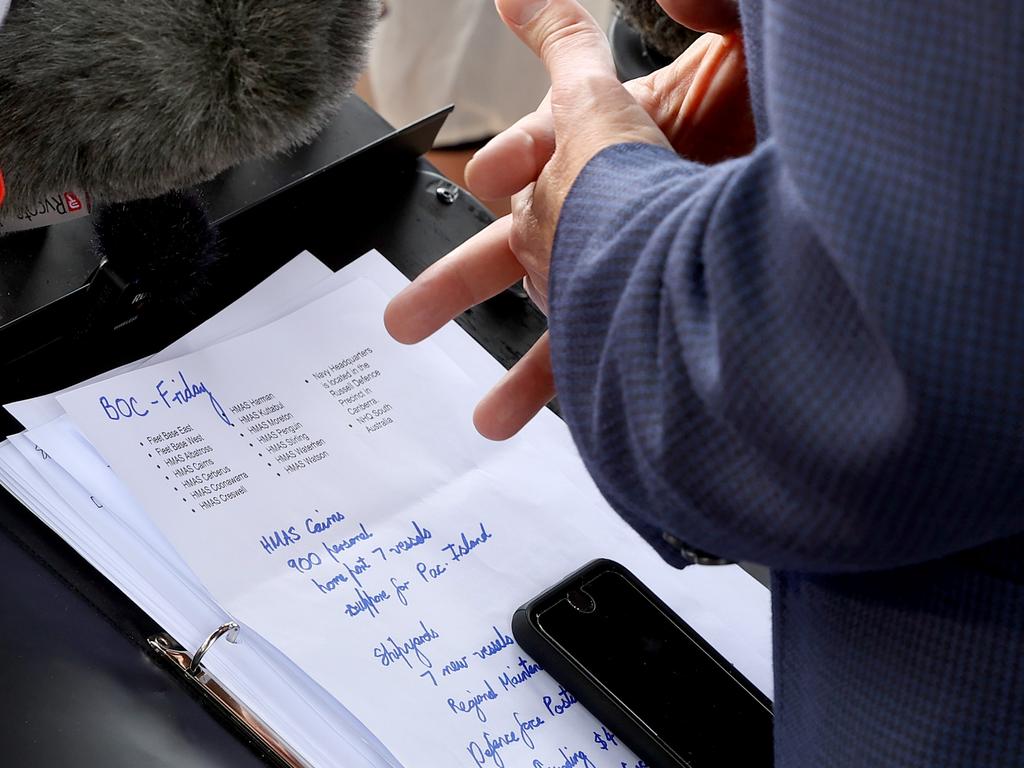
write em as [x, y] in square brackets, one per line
[812, 357]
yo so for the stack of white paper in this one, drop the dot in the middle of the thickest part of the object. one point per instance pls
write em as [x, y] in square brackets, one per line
[291, 467]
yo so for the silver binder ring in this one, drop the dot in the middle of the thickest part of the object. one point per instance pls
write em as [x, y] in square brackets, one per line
[229, 628]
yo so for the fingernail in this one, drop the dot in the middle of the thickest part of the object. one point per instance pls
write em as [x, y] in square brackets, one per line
[522, 12]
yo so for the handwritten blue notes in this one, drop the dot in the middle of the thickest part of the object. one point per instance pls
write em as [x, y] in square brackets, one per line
[327, 487]
[177, 391]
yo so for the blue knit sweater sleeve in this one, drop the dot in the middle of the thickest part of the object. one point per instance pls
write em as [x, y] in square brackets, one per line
[813, 357]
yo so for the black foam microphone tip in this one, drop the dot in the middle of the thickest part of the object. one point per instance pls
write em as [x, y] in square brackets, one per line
[167, 237]
[155, 254]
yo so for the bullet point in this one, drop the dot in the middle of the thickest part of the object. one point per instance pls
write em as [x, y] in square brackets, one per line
[270, 465]
[175, 487]
[183, 498]
[251, 445]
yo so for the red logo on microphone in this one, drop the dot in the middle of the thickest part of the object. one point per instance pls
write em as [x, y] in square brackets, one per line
[73, 203]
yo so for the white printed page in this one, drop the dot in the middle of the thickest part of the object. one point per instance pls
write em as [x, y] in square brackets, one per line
[289, 287]
[327, 486]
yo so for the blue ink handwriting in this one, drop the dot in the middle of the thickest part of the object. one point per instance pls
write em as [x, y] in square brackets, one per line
[400, 587]
[525, 726]
[459, 550]
[512, 680]
[472, 704]
[331, 584]
[604, 738]
[565, 701]
[419, 537]
[278, 539]
[455, 665]
[366, 603]
[500, 643]
[492, 748]
[129, 407]
[334, 549]
[319, 526]
[430, 572]
[579, 757]
[391, 651]
[306, 563]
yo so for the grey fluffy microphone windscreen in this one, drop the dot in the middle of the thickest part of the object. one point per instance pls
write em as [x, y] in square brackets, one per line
[126, 99]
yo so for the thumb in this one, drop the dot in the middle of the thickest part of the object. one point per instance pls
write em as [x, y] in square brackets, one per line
[590, 107]
[565, 37]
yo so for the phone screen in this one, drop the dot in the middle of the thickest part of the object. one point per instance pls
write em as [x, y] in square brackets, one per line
[662, 672]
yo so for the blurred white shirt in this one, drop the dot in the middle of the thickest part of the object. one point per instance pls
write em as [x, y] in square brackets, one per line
[4, 5]
[430, 53]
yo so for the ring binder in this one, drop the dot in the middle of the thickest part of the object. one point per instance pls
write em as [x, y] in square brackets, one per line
[229, 628]
[168, 649]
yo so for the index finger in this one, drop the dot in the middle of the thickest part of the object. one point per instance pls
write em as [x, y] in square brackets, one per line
[478, 269]
[515, 157]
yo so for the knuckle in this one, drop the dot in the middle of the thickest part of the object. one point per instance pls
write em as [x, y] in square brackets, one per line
[586, 92]
[562, 36]
[647, 95]
[519, 238]
[522, 204]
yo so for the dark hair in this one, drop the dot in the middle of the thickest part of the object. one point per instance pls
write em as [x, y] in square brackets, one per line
[657, 28]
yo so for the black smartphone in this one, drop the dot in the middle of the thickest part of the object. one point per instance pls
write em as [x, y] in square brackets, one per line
[644, 672]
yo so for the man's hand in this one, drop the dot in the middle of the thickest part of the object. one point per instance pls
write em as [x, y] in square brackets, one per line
[700, 102]
[698, 106]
